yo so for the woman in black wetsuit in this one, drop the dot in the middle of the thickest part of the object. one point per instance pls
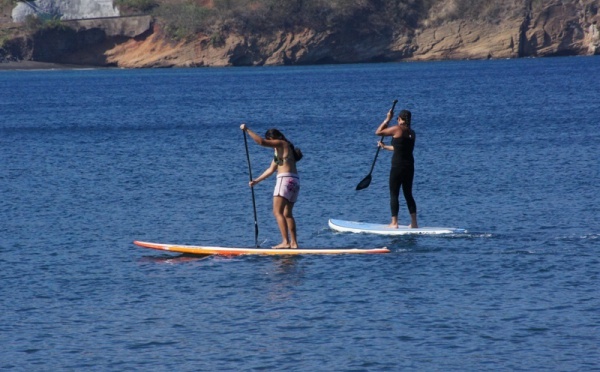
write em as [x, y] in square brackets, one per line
[403, 163]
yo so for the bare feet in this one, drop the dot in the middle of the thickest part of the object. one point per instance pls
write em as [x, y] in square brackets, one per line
[413, 221]
[393, 225]
[282, 246]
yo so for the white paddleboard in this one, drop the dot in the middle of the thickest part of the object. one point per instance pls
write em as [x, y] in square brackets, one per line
[381, 229]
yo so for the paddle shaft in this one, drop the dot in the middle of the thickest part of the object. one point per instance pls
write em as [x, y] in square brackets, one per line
[382, 137]
[376, 154]
[252, 188]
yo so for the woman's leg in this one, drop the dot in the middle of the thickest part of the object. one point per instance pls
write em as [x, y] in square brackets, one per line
[279, 204]
[291, 223]
[395, 182]
[407, 184]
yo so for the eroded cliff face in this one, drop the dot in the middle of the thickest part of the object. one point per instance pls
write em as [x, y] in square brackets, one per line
[555, 28]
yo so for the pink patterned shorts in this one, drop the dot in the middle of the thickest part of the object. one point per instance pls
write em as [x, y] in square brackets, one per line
[287, 186]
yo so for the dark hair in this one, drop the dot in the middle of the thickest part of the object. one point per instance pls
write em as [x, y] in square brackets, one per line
[276, 134]
[406, 116]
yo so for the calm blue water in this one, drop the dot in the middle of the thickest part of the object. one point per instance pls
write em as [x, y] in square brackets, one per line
[91, 160]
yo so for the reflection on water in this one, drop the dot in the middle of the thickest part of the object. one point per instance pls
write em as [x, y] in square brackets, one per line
[287, 274]
[172, 260]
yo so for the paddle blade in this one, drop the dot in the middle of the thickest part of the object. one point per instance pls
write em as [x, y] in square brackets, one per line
[364, 183]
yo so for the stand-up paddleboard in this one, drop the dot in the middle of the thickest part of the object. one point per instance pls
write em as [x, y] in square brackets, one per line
[228, 251]
[381, 229]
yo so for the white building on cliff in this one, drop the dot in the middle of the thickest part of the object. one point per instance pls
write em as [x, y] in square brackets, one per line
[65, 9]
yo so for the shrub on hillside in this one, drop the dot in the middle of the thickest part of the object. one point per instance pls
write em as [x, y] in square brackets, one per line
[136, 6]
[181, 20]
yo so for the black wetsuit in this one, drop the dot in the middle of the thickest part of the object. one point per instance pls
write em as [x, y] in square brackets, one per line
[402, 174]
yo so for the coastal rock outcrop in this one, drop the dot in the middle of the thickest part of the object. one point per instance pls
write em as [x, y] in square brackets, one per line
[593, 39]
[556, 29]
[551, 28]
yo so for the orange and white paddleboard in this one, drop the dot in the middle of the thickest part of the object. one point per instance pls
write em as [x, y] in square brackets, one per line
[229, 251]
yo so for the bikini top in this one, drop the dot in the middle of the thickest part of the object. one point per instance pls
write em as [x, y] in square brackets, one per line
[280, 161]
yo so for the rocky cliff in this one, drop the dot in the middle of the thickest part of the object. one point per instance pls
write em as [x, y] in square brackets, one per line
[551, 28]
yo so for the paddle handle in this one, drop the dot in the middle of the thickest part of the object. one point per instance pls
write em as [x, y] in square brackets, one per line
[252, 189]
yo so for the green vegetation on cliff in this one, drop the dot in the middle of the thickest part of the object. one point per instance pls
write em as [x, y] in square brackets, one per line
[136, 6]
[187, 17]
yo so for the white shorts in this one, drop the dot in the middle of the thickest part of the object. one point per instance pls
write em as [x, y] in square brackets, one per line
[287, 186]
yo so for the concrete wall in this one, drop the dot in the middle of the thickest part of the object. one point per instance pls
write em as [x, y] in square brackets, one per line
[123, 26]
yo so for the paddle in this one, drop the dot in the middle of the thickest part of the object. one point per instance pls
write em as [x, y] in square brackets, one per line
[252, 188]
[367, 180]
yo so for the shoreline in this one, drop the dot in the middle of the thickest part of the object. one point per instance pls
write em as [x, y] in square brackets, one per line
[34, 65]
[40, 66]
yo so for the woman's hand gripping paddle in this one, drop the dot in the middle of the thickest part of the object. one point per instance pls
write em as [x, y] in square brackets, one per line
[367, 180]
[252, 188]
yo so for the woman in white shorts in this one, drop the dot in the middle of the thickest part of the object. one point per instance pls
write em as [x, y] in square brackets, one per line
[287, 186]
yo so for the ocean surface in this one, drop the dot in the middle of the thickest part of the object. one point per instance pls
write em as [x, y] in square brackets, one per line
[91, 160]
